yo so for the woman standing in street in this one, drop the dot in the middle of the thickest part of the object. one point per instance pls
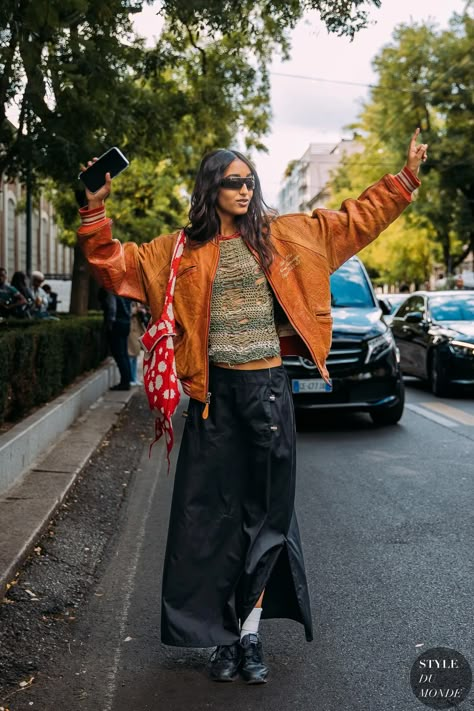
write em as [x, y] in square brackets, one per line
[251, 287]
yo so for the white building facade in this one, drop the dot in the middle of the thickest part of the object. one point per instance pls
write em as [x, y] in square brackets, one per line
[48, 255]
[305, 186]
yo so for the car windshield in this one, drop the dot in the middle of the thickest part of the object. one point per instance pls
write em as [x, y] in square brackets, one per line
[395, 301]
[349, 287]
[452, 307]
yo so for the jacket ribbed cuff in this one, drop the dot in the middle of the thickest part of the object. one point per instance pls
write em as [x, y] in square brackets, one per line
[408, 179]
[91, 217]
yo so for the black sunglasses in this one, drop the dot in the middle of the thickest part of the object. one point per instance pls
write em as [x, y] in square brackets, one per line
[236, 183]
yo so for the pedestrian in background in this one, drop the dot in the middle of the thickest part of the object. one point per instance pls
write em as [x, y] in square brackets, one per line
[250, 287]
[137, 329]
[117, 315]
[11, 299]
[19, 281]
[52, 298]
[40, 297]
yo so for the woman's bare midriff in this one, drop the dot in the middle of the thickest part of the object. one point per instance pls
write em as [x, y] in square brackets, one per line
[253, 364]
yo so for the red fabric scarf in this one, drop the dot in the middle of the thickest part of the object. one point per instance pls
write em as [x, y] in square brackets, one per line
[159, 367]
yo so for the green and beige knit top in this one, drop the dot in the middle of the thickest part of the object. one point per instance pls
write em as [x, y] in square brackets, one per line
[242, 326]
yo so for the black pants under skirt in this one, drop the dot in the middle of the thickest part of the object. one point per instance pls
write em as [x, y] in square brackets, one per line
[118, 341]
[233, 529]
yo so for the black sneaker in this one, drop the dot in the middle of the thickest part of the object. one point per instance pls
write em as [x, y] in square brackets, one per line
[253, 669]
[224, 662]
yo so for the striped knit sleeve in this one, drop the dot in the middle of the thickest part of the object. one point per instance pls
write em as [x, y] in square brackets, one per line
[90, 218]
[116, 266]
[407, 181]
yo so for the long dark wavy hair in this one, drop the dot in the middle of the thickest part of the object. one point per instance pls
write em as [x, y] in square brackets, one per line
[204, 222]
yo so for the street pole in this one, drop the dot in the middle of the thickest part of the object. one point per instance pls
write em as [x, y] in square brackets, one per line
[28, 202]
[28, 221]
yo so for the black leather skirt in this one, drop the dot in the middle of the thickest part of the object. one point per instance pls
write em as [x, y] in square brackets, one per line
[233, 529]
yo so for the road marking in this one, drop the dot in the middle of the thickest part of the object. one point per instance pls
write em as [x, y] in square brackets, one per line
[431, 416]
[136, 524]
[453, 412]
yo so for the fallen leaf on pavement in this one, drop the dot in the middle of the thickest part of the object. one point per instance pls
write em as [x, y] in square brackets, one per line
[23, 684]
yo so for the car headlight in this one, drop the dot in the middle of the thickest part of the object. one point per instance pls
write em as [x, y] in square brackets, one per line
[378, 345]
[461, 348]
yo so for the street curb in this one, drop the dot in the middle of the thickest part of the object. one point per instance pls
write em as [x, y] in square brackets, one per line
[28, 440]
[27, 506]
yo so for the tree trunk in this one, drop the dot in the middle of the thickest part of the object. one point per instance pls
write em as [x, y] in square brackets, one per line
[444, 239]
[466, 251]
[80, 284]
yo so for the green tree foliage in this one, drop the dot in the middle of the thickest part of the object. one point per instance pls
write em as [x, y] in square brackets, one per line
[425, 78]
[83, 82]
[142, 212]
[258, 21]
[66, 64]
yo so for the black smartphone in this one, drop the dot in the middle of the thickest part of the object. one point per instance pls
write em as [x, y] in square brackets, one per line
[112, 161]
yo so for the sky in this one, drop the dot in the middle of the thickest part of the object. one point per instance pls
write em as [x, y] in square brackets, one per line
[306, 111]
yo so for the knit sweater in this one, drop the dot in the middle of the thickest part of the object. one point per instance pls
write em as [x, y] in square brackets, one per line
[242, 325]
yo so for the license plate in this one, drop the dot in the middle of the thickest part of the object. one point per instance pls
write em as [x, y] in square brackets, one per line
[314, 385]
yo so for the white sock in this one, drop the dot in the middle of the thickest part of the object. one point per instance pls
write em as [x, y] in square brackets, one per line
[252, 622]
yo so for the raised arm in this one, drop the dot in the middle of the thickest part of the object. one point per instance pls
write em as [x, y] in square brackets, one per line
[359, 221]
[116, 266]
[124, 269]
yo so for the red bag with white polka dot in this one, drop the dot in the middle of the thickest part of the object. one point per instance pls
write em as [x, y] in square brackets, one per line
[159, 366]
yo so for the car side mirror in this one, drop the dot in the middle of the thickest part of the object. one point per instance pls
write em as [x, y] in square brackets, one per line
[385, 306]
[414, 317]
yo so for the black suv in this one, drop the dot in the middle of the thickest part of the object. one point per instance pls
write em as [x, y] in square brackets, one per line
[363, 362]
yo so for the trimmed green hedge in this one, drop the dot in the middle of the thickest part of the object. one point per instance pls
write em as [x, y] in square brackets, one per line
[38, 359]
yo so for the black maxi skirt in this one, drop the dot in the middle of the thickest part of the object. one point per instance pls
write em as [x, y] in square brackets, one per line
[233, 529]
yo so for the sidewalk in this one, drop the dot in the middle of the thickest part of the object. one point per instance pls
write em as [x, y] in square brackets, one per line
[27, 506]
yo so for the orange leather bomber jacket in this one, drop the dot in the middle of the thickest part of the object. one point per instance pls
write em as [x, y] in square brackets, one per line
[308, 249]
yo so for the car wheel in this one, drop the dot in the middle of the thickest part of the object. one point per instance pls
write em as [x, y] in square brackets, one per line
[438, 380]
[391, 414]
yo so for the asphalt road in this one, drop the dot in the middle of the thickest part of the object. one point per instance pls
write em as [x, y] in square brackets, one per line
[386, 518]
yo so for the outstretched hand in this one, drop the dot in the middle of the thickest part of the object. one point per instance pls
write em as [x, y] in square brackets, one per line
[417, 153]
[97, 199]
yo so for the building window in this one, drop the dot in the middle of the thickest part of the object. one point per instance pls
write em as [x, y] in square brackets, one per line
[44, 244]
[10, 265]
[22, 256]
[52, 249]
[34, 241]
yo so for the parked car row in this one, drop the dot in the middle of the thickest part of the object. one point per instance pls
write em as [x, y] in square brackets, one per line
[393, 301]
[434, 331]
[429, 335]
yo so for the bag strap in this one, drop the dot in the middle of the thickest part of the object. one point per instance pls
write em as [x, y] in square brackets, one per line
[168, 312]
[155, 332]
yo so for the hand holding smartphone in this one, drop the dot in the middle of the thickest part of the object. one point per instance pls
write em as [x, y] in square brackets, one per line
[99, 173]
